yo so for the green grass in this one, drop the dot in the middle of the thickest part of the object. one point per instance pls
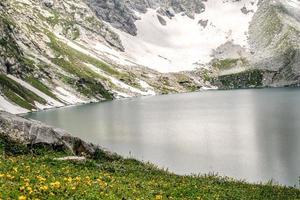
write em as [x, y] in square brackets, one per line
[64, 50]
[53, 20]
[18, 94]
[18, 100]
[226, 63]
[76, 33]
[77, 60]
[6, 41]
[186, 82]
[73, 62]
[206, 75]
[10, 47]
[38, 176]
[69, 28]
[246, 79]
[33, 28]
[87, 83]
[40, 86]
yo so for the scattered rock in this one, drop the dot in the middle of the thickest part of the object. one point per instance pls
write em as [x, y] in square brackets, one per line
[245, 10]
[229, 50]
[72, 159]
[170, 12]
[203, 23]
[162, 20]
[48, 3]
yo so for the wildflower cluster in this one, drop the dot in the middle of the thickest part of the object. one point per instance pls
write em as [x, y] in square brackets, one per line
[29, 177]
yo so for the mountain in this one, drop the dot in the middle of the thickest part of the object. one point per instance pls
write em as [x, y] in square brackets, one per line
[275, 34]
[63, 52]
[273, 46]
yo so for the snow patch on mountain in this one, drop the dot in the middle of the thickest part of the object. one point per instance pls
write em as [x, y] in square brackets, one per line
[52, 102]
[67, 97]
[149, 90]
[183, 44]
[9, 107]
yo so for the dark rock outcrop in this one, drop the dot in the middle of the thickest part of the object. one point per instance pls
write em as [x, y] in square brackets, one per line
[203, 23]
[48, 3]
[117, 13]
[121, 13]
[161, 20]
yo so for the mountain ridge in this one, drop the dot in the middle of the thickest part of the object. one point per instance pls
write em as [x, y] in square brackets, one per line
[62, 52]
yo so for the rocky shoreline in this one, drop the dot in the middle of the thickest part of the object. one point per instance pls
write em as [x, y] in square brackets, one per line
[30, 133]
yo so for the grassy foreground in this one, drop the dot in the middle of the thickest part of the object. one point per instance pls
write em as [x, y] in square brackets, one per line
[36, 175]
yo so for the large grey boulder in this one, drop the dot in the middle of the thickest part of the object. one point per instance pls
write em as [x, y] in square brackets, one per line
[30, 132]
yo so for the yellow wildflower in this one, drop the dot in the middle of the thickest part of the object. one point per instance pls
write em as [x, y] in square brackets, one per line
[102, 183]
[2, 175]
[69, 179]
[10, 176]
[44, 188]
[158, 197]
[29, 189]
[26, 180]
[55, 184]
[41, 179]
[22, 198]
[15, 169]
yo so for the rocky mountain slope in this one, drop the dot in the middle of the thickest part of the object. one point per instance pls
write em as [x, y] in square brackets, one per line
[275, 34]
[62, 52]
[274, 48]
[56, 53]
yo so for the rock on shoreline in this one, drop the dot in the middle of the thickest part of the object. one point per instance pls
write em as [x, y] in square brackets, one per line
[30, 133]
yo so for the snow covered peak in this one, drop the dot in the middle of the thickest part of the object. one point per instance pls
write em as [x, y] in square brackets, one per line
[171, 44]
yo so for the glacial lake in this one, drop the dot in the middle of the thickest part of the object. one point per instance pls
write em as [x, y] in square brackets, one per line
[249, 134]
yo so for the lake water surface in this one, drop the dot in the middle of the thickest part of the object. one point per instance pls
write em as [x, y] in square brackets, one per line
[245, 134]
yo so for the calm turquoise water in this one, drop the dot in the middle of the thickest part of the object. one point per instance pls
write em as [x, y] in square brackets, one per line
[246, 134]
